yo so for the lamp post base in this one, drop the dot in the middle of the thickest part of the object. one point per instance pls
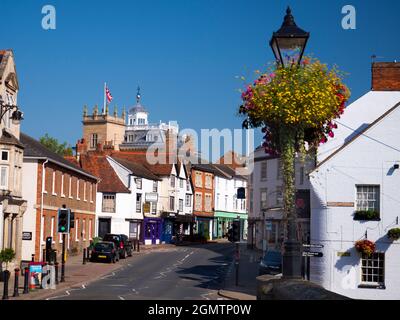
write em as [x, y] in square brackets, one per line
[292, 259]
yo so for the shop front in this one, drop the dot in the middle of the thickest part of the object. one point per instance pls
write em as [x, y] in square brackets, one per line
[174, 224]
[223, 221]
[152, 230]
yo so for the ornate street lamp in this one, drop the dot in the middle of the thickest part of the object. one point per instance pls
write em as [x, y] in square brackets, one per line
[16, 115]
[289, 42]
[288, 45]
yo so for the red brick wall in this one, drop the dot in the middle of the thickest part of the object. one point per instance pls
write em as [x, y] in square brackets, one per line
[386, 76]
[84, 210]
[203, 191]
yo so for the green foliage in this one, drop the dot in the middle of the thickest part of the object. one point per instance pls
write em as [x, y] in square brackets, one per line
[63, 149]
[366, 215]
[394, 233]
[6, 256]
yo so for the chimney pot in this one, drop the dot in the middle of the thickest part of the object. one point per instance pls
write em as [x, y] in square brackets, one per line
[386, 76]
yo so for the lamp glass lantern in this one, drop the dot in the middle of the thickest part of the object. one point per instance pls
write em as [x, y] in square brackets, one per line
[16, 117]
[289, 42]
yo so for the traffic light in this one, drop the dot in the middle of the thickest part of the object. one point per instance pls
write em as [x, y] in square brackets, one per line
[63, 220]
[235, 230]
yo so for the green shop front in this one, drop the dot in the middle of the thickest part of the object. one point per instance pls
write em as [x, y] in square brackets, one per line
[223, 221]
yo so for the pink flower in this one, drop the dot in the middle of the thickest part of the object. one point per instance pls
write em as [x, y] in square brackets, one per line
[331, 134]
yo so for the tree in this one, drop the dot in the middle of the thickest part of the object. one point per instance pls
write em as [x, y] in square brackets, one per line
[296, 107]
[63, 149]
[6, 256]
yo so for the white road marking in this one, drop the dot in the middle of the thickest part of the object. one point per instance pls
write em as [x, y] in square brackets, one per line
[121, 298]
[68, 293]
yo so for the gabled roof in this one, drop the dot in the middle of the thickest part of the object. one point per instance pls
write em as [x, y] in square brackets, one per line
[228, 172]
[35, 150]
[357, 134]
[137, 169]
[357, 117]
[98, 165]
[10, 139]
[160, 170]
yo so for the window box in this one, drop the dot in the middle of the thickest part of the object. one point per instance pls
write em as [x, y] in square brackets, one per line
[394, 234]
[372, 286]
[367, 215]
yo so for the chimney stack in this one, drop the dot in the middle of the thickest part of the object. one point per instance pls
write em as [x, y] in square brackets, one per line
[386, 76]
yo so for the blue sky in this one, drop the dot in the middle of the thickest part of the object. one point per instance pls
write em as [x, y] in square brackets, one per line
[184, 54]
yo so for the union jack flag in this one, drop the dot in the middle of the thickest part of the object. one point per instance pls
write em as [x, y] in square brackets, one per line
[108, 95]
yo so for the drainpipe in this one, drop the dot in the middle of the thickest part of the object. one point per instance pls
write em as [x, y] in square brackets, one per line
[41, 210]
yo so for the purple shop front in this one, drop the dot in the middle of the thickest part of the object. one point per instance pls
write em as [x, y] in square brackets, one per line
[152, 230]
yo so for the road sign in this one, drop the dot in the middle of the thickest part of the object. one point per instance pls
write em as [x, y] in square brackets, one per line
[313, 246]
[312, 254]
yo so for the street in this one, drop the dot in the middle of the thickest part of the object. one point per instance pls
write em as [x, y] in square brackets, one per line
[187, 272]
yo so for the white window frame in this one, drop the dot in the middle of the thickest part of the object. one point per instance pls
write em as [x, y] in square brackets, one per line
[53, 183]
[208, 202]
[5, 185]
[155, 186]
[84, 191]
[70, 188]
[198, 179]
[263, 203]
[375, 266]
[181, 205]
[188, 200]
[367, 197]
[263, 171]
[77, 189]
[52, 229]
[111, 196]
[90, 229]
[84, 229]
[62, 186]
[77, 229]
[8, 156]
[139, 183]
[198, 201]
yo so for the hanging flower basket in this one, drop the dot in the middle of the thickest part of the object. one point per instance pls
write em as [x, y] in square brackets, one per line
[365, 246]
[394, 234]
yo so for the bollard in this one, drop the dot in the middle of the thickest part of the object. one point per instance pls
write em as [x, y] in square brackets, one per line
[16, 283]
[56, 271]
[5, 289]
[33, 257]
[84, 256]
[138, 246]
[44, 256]
[26, 281]
[134, 245]
[87, 254]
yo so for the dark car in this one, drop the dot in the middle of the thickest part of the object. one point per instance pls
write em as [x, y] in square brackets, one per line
[122, 242]
[104, 251]
[271, 263]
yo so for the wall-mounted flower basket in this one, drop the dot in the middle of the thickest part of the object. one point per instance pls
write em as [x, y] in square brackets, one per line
[394, 234]
[366, 215]
[365, 246]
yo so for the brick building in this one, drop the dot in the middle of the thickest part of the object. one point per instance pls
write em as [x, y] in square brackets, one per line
[54, 181]
[202, 176]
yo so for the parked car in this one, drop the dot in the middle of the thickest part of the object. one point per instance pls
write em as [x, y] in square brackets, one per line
[271, 263]
[104, 251]
[122, 242]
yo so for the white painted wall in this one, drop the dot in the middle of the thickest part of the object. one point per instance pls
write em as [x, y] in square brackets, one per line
[367, 160]
[29, 193]
[271, 183]
[225, 187]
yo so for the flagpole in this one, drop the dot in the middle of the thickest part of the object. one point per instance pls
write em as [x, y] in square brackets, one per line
[104, 104]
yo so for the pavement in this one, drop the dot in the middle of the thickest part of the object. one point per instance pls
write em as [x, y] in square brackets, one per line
[248, 271]
[77, 274]
[190, 271]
